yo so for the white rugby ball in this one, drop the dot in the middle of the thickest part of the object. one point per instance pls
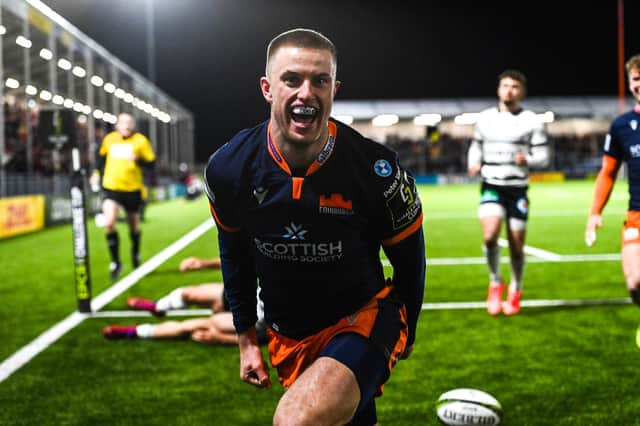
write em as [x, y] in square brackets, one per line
[462, 407]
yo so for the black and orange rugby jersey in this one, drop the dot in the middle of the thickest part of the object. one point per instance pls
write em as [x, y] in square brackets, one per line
[623, 143]
[312, 241]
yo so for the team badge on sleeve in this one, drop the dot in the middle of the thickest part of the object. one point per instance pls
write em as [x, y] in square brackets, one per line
[382, 168]
[404, 204]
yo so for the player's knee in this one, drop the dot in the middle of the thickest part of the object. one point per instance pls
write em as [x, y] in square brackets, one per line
[292, 410]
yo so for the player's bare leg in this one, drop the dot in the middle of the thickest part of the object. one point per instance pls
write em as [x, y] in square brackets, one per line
[327, 393]
[220, 330]
[208, 295]
[631, 269]
[491, 226]
[516, 233]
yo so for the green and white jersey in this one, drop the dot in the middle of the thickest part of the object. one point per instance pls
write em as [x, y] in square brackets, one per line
[498, 137]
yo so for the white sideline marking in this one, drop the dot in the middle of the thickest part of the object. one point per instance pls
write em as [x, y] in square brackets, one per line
[471, 214]
[533, 251]
[449, 261]
[529, 303]
[26, 353]
[172, 313]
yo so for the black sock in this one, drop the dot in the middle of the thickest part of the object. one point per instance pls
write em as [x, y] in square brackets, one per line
[635, 296]
[113, 243]
[135, 244]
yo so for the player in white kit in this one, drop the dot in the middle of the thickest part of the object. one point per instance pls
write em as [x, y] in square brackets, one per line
[508, 140]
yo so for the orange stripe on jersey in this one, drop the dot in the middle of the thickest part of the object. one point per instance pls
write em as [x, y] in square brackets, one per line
[296, 187]
[215, 217]
[336, 200]
[405, 233]
[275, 152]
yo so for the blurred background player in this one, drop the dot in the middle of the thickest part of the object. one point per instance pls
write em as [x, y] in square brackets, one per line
[508, 140]
[216, 329]
[622, 144]
[195, 263]
[122, 156]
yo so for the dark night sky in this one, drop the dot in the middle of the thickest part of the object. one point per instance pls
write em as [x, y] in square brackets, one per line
[210, 53]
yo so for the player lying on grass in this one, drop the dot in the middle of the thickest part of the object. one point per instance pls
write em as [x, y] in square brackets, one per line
[195, 263]
[216, 329]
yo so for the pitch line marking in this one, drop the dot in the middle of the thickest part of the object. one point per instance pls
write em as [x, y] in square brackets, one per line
[533, 251]
[453, 261]
[46, 339]
[529, 303]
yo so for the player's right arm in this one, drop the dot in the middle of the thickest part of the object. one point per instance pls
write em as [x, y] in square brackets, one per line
[474, 156]
[253, 369]
[603, 187]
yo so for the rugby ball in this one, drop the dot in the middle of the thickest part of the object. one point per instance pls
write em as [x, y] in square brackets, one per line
[461, 407]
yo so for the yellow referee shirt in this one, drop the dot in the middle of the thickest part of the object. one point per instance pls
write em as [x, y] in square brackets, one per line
[121, 172]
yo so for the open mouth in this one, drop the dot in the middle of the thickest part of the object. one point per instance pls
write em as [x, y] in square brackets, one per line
[304, 114]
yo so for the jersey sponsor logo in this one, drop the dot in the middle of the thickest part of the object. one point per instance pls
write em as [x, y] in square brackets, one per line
[522, 205]
[631, 234]
[294, 232]
[489, 195]
[382, 168]
[607, 143]
[633, 124]
[327, 150]
[396, 181]
[304, 252]
[634, 150]
[404, 203]
[260, 193]
[335, 204]
[121, 150]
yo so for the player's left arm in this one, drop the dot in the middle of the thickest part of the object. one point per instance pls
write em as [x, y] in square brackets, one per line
[538, 155]
[145, 157]
[404, 246]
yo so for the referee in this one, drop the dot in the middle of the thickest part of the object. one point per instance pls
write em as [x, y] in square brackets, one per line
[122, 156]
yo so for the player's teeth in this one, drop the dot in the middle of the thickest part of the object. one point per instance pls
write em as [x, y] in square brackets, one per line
[304, 110]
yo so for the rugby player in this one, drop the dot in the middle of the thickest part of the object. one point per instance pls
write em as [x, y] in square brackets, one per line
[215, 329]
[122, 156]
[622, 144]
[507, 141]
[303, 204]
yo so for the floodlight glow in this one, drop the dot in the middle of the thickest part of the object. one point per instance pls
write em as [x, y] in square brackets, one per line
[466, 118]
[547, 117]
[3, 30]
[148, 108]
[46, 54]
[385, 120]
[12, 83]
[45, 95]
[32, 104]
[31, 90]
[346, 119]
[58, 100]
[64, 64]
[77, 107]
[79, 71]
[119, 93]
[86, 109]
[82, 119]
[68, 103]
[427, 119]
[23, 42]
[97, 114]
[141, 104]
[97, 80]
[109, 87]
[128, 97]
